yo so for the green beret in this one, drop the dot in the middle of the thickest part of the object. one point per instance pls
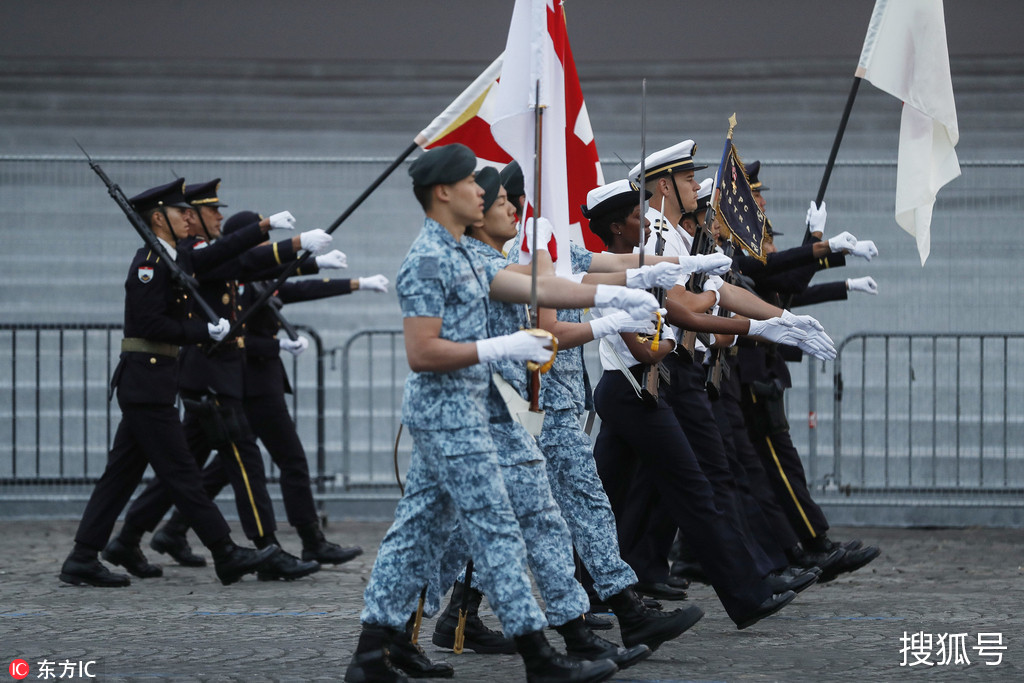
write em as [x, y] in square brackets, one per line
[443, 166]
[487, 178]
[512, 179]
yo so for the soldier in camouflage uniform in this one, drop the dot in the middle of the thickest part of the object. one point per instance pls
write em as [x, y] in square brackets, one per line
[548, 542]
[454, 473]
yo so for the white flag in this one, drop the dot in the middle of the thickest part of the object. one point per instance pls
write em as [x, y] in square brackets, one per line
[905, 55]
[531, 57]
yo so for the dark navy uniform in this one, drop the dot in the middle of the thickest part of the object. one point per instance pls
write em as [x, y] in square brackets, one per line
[158, 317]
[218, 375]
[266, 384]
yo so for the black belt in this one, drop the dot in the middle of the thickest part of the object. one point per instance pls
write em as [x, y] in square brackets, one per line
[139, 345]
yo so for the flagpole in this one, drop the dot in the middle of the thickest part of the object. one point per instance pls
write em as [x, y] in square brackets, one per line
[295, 265]
[641, 181]
[835, 148]
[538, 136]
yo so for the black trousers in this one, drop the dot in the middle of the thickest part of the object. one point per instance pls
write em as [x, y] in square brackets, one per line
[149, 435]
[784, 470]
[269, 419]
[636, 438]
[689, 400]
[748, 463]
[244, 465]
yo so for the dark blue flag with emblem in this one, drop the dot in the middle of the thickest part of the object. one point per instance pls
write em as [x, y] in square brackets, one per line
[737, 209]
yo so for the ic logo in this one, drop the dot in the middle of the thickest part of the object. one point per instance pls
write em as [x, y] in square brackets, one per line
[18, 668]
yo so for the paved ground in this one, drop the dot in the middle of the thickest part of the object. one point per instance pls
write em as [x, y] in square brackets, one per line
[186, 626]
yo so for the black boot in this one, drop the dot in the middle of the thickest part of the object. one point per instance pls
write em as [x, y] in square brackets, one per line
[316, 548]
[83, 567]
[370, 662]
[131, 558]
[596, 623]
[582, 643]
[770, 606]
[479, 638]
[170, 539]
[232, 562]
[638, 624]
[852, 561]
[545, 665]
[282, 566]
[411, 659]
[824, 560]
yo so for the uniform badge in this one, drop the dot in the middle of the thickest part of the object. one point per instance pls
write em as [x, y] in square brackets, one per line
[428, 268]
[241, 288]
[145, 273]
[201, 244]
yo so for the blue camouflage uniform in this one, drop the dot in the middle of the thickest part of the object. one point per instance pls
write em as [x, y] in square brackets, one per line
[455, 471]
[548, 542]
[570, 460]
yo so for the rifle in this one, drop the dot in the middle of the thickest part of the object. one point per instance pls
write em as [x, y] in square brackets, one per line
[295, 265]
[275, 308]
[184, 280]
[651, 375]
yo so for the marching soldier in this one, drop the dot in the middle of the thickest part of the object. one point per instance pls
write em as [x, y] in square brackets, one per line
[650, 436]
[266, 384]
[524, 469]
[157, 320]
[211, 383]
[763, 377]
[444, 291]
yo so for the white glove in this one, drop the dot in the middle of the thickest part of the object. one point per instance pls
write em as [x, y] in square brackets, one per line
[804, 322]
[283, 220]
[713, 284]
[544, 232]
[866, 249]
[619, 322]
[862, 284]
[776, 330]
[332, 259]
[640, 304]
[374, 283]
[664, 275]
[844, 241]
[713, 264]
[518, 346]
[316, 241]
[294, 347]
[818, 345]
[816, 218]
[781, 331]
[220, 330]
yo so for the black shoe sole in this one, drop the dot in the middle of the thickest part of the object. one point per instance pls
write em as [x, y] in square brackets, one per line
[79, 581]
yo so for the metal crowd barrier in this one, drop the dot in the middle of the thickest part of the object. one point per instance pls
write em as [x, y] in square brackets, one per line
[56, 422]
[929, 413]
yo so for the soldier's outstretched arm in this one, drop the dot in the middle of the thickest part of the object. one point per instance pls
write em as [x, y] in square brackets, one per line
[556, 292]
